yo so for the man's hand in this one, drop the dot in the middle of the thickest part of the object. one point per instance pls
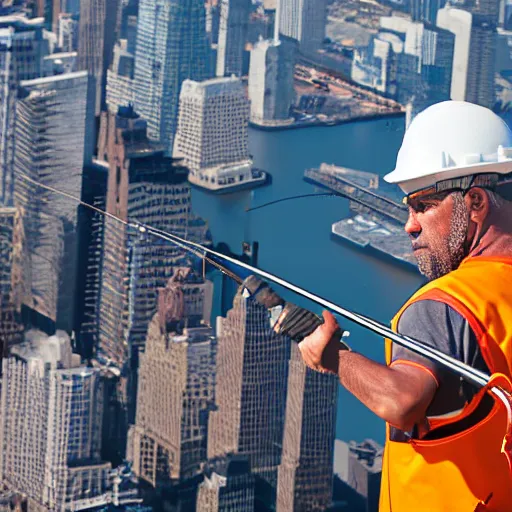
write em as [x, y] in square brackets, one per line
[320, 350]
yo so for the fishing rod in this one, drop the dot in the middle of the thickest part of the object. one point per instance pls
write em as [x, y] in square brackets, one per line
[225, 264]
[220, 261]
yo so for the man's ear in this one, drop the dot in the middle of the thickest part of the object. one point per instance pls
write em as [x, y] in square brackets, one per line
[478, 203]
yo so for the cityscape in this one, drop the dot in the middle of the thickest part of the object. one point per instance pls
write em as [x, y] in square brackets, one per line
[135, 376]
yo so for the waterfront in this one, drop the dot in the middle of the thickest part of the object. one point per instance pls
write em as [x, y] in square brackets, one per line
[295, 236]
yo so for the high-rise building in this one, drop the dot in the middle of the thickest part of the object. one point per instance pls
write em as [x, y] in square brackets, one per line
[145, 186]
[375, 66]
[304, 21]
[357, 470]
[120, 86]
[271, 75]
[70, 6]
[228, 486]
[251, 390]
[306, 470]
[171, 46]
[92, 222]
[50, 424]
[234, 21]
[424, 67]
[13, 278]
[8, 85]
[176, 383]
[97, 35]
[213, 133]
[68, 32]
[22, 49]
[426, 10]
[62, 108]
[25, 39]
[474, 55]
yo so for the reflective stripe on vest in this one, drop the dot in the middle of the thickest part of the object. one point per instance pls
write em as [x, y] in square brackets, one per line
[465, 471]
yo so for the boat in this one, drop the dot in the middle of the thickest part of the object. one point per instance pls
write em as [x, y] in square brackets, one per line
[224, 179]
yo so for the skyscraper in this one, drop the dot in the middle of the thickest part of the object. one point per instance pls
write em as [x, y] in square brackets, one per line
[213, 132]
[61, 107]
[426, 10]
[357, 469]
[306, 470]
[251, 389]
[146, 186]
[271, 75]
[171, 47]
[13, 278]
[375, 66]
[234, 20]
[473, 59]
[97, 35]
[304, 21]
[25, 39]
[22, 49]
[424, 67]
[120, 85]
[176, 383]
[228, 486]
[8, 84]
[68, 32]
[50, 424]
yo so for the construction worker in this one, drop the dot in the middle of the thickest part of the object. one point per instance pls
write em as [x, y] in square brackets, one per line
[444, 437]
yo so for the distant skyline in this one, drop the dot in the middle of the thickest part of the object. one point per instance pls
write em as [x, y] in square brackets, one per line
[131, 370]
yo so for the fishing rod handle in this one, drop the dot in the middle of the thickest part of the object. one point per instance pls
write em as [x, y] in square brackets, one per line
[287, 318]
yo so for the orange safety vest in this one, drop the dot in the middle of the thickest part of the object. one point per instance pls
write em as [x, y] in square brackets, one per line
[466, 471]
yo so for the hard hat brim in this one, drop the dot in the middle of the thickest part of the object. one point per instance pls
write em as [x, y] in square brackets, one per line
[417, 183]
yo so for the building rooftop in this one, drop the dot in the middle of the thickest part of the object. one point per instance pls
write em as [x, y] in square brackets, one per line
[21, 22]
[53, 79]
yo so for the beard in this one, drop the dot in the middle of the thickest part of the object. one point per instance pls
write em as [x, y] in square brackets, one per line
[445, 255]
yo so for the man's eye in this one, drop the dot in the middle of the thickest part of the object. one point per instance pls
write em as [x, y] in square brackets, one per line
[424, 206]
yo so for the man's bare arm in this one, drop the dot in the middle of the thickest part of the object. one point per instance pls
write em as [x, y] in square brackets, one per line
[399, 394]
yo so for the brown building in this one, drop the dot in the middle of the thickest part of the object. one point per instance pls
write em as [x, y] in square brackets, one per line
[176, 383]
[306, 471]
[251, 390]
[149, 188]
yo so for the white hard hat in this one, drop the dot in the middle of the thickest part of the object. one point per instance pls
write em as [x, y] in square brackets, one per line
[449, 140]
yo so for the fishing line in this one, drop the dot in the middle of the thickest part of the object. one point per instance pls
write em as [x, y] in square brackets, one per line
[332, 194]
[476, 376]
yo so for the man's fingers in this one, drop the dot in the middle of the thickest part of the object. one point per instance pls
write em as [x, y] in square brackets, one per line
[330, 325]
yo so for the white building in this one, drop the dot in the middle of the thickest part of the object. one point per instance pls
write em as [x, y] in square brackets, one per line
[213, 132]
[304, 21]
[64, 106]
[68, 32]
[473, 60]
[271, 74]
[50, 423]
[171, 47]
[375, 66]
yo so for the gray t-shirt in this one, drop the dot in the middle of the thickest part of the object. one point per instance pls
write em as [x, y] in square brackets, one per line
[438, 325]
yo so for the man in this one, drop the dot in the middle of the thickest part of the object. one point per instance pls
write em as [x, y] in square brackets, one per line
[444, 437]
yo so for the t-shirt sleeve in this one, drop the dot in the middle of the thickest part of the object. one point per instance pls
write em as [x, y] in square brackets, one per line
[438, 325]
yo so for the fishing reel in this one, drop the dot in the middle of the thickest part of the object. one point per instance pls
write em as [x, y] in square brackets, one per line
[286, 318]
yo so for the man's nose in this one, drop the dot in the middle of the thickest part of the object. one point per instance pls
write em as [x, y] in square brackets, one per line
[412, 226]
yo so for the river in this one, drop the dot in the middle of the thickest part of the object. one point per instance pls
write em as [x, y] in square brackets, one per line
[295, 236]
